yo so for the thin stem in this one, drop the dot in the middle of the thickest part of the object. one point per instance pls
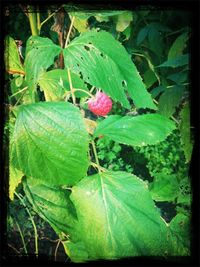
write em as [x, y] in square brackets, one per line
[50, 16]
[20, 98]
[38, 20]
[71, 87]
[81, 90]
[92, 89]
[56, 250]
[69, 32]
[95, 155]
[20, 91]
[22, 237]
[96, 166]
[32, 221]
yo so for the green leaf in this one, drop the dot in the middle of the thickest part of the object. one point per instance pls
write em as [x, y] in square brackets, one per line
[185, 132]
[176, 62]
[117, 218]
[157, 90]
[50, 143]
[178, 46]
[40, 54]
[149, 78]
[105, 63]
[124, 20]
[51, 203]
[55, 83]
[164, 187]
[179, 77]
[169, 100]
[180, 235]
[11, 57]
[80, 24]
[15, 177]
[143, 33]
[141, 130]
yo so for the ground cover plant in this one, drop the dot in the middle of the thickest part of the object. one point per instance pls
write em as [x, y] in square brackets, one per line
[99, 134]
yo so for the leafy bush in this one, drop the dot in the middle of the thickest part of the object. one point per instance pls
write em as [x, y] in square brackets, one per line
[85, 175]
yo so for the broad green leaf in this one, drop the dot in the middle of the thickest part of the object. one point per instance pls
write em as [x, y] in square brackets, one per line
[141, 130]
[40, 54]
[155, 41]
[164, 187]
[50, 143]
[15, 177]
[180, 235]
[55, 84]
[105, 63]
[124, 20]
[117, 218]
[178, 46]
[176, 62]
[185, 132]
[11, 57]
[169, 100]
[52, 203]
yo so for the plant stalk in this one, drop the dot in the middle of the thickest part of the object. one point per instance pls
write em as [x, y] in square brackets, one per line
[33, 223]
[71, 87]
[33, 21]
[95, 155]
[70, 29]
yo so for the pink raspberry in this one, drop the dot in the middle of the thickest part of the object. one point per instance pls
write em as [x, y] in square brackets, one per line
[100, 104]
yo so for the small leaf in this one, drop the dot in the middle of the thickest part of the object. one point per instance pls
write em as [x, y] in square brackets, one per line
[15, 177]
[55, 83]
[117, 218]
[11, 57]
[176, 62]
[50, 143]
[124, 20]
[164, 187]
[178, 46]
[185, 132]
[157, 90]
[169, 100]
[139, 130]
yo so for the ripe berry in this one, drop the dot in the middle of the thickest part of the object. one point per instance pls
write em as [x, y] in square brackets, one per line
[100, 104]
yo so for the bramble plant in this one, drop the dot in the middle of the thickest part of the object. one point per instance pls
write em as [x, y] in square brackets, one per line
[76, 99]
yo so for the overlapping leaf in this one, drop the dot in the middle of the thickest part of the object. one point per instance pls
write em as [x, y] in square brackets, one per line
[55, 84]
[117, 218]
[170, 99]
[11, 57]
[40, 54]
[52, 203]
[105, 63]
[140, 130]
[50, 143]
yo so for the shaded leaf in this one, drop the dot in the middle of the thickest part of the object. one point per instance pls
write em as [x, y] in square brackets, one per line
[11, 57]
[169, 100]
[185, 132]
[157, 90]
[140, 130]
[180, 237]
[176, 62]
[50, 143]
[143, 33]
[108, 67]
[164, 187]
[117, 218]
[178, 46]
[179, 77]
[52, 203]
